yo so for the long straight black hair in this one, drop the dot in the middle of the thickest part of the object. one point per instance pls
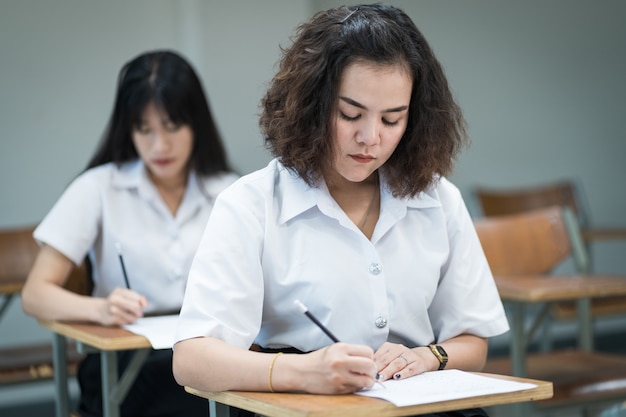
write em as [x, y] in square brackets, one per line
[166, 79]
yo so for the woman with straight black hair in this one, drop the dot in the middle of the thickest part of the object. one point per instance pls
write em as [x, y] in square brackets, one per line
[165, 79]
[147, 193]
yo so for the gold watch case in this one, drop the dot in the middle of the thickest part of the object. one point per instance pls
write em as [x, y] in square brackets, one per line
[440, 354]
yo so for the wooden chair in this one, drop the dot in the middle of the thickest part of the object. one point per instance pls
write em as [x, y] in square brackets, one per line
[17, 253]
[500, 201]
[20, 364]
[521, 250]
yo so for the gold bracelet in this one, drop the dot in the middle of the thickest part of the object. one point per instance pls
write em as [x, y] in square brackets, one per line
[269, 375]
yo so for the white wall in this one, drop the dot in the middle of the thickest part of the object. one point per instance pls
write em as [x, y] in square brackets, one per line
[541, 84]
[59, 63]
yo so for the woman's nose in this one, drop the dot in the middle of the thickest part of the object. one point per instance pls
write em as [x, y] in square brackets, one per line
[369, 132]
[160, 140]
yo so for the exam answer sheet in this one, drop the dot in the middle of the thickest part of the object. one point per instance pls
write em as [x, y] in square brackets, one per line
[437, 386]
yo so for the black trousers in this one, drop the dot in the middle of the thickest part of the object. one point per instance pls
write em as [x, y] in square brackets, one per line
[154, 392]
[473, 412]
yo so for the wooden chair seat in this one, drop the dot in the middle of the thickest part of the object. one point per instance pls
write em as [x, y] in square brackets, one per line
[578, 377]
[33, 362]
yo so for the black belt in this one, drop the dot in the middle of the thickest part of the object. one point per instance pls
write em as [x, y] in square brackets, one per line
[283, 350]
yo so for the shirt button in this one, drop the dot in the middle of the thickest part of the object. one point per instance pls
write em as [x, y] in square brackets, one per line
[380, 322]
[375, 268]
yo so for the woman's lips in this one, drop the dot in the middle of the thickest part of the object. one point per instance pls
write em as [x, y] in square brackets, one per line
[363, 159]
[162, 162]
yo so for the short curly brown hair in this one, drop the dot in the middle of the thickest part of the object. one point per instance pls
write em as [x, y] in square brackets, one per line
[297, 110]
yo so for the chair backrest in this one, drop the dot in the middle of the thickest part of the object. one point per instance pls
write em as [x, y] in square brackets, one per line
[18, 250]
[533, 242]
[499, 201]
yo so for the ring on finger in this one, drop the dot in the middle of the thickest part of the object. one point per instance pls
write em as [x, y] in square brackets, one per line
[405, 359]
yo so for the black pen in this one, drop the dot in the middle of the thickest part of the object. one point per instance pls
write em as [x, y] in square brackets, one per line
[306, 311]
[314, 319]
[119, 254]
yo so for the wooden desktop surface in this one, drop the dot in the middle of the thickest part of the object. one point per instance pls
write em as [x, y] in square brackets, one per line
[540, 288]
[310, 405]
[98, 336]
[603, 233]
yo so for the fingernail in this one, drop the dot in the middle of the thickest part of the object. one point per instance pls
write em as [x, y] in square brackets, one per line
[379, 376]
[397, 376]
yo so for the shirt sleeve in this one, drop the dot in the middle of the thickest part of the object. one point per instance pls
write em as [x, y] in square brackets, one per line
[224, 295]
[467, 299]
[72, 224]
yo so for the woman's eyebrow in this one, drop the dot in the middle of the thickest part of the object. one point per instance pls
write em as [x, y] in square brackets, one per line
[359, 105]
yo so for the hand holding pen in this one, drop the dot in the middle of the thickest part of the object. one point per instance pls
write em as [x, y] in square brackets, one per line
[123, 305]
[328, 333]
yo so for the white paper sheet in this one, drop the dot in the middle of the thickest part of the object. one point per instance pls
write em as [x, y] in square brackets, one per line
[436, 386]
[159, 330]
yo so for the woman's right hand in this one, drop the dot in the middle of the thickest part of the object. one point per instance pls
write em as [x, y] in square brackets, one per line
[210, 364]
[45, 297]
[340, 368]
[122, 306]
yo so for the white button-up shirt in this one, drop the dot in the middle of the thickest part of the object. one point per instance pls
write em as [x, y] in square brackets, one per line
[107, 205]
[271, 239]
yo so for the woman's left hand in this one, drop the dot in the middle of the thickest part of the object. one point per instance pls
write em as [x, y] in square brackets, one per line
[395, 361]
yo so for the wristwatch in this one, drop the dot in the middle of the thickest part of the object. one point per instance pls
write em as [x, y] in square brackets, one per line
[441, 355]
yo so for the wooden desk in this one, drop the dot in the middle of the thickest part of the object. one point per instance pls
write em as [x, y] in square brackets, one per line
[520, 291]
[310, 405]
[592, 234]
[542, 288]
[106, 341]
